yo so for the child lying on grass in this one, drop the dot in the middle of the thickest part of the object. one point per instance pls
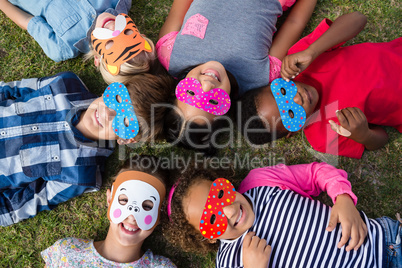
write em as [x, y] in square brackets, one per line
[134, 203]
[346, 92]
[274, 204]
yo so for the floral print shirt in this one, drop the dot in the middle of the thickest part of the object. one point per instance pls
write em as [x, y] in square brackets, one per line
[76, 252]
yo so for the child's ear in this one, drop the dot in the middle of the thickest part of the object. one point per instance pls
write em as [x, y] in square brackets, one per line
[290, 134]
[211, 241]
[124, 141]
[96, 61]
[108, 197]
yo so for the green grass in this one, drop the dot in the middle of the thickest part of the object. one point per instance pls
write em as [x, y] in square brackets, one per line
[376, 178]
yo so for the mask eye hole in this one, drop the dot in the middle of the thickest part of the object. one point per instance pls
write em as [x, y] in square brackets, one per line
[128, 32]
[147, 205]
[291, 114]
[212, 220]
[123, 199]
[109, 44]
[283, 91]
[190, 92]
[213, 102]
[220, 194]
[118, 98]
[126, 122]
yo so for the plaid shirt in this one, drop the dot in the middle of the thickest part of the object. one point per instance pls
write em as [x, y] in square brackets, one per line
[44, 159]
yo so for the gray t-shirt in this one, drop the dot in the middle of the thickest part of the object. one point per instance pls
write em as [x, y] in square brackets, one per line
[237, 33]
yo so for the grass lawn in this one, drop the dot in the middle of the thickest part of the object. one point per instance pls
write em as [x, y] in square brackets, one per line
[376, 178]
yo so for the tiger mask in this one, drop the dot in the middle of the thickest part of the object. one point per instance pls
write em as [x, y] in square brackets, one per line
[119, 46]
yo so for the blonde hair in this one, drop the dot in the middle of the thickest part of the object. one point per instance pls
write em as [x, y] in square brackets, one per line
[144, 62]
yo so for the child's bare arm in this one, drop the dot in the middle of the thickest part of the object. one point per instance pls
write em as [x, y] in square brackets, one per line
[175, 17]
[353, 120]
[292, 28]
[20, 17]
[353, 226]
[256, 252]
[342, 29]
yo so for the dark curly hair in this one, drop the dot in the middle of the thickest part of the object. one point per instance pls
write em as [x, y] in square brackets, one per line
[191, 135]
[250, 119]
[194, 136]
[177, 230]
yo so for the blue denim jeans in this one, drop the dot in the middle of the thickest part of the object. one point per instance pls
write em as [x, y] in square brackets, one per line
[393, 236]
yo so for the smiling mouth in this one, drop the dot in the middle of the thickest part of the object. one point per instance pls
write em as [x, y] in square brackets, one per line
[97, 117]
[130, 230]
[240, 215]
[308, 95]
[106, 21]
[212, 73]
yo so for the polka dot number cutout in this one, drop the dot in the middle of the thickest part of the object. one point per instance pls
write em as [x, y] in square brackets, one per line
[125, 123]
[292, 114]
[213, 220]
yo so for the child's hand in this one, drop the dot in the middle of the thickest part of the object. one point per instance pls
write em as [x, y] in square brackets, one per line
[353, 124]
[256, 252]
[345, 213]
[293, 64]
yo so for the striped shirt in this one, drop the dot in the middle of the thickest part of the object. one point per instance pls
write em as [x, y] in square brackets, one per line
[295, 226]
[44, 159]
